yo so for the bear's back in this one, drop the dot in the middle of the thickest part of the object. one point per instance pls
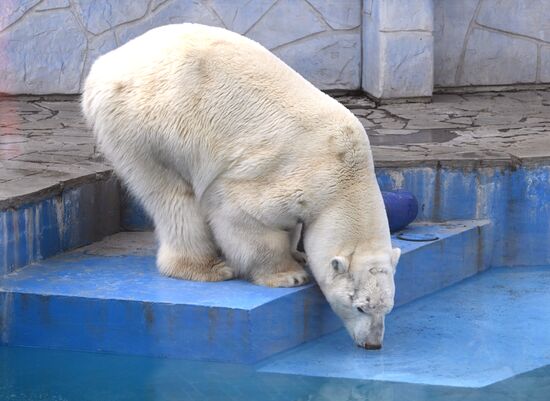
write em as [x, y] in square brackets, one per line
[198, 69]
[227, 101]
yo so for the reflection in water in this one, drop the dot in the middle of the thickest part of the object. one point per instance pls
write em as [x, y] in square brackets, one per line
[35, 374]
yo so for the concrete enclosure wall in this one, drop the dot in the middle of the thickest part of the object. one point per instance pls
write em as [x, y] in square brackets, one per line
[398, 48]
[491, 42]
[47, 46]
[389, 48]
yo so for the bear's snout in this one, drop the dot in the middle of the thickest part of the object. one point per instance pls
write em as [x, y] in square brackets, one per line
[372, 347]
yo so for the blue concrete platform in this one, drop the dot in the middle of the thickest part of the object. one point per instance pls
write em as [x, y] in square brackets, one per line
[109, 297]
[425, 267]
[484, 330]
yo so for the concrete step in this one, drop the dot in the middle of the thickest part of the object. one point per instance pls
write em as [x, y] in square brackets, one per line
[108, 297]
[481, 331]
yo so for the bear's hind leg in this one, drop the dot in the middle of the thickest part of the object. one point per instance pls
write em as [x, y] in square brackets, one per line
[187, 250]
[260, 253]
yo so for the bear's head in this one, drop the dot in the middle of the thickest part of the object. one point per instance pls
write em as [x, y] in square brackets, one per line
[360, 289]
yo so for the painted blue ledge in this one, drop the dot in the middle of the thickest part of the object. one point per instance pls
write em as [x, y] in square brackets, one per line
[109, 297]
[484, 330]
[517, 202]
[95, 299]
[41, 229]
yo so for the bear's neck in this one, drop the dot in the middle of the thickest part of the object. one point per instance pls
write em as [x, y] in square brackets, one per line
[359, 217]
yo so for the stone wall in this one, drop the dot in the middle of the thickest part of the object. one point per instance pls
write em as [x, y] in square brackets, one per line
[398, 48]
[47, 46]
[491, 42]
[389, 48]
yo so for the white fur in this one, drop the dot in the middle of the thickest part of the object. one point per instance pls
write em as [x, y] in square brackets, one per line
[229, 150]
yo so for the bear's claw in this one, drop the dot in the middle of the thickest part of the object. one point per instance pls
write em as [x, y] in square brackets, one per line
[284, 279]
[223, 271]
[300, 257]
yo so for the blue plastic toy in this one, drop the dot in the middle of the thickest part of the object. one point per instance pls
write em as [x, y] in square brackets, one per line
[401, 208]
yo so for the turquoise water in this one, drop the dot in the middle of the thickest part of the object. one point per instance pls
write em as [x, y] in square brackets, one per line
[37, 374]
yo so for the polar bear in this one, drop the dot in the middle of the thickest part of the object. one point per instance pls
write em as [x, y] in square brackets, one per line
[229, 150]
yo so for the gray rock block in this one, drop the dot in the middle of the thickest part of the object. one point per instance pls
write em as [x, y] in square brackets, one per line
[12, 11]
[371, 68]
[408, 65]
[545, 64]
[524, 17]
[496, 58]
[329, 61]
[173, 12]
[287, 21]
[157, 3]
[100, 16]
[452, 19]
[402, 15]
[240, 15]
[45, 54]
[339, 14]
[52, 4]
[398, 49]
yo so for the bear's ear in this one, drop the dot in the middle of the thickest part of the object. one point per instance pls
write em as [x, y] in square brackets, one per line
[395, 254]
[339, 264]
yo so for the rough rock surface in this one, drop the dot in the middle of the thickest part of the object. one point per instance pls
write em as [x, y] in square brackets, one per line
[44, 145]
[491, 42]
[43, 53]
[398, 49]
[48, 46]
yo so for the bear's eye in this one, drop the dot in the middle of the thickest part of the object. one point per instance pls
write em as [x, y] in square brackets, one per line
[339, 265]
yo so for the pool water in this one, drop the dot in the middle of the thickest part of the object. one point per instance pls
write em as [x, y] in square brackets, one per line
[28, 374]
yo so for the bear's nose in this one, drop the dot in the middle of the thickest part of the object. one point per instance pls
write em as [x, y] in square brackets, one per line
[373, 347]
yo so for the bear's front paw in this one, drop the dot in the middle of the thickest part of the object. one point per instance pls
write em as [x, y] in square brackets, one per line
[222, 271]
[292, 278]
[196, 269]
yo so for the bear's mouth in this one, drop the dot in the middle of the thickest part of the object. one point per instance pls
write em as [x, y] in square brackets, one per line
[371, 347]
